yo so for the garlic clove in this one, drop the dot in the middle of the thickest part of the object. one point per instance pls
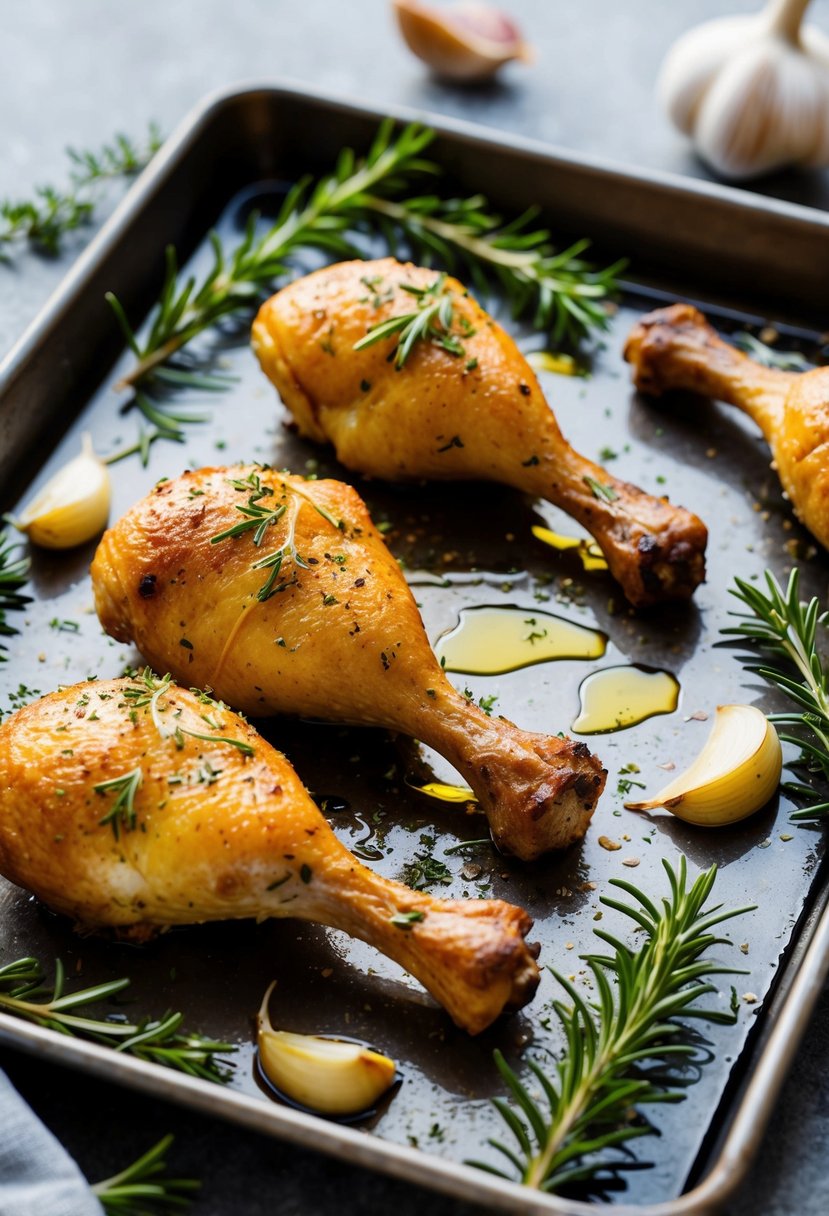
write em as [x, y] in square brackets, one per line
[735, 774]
[327, 1075]
[73, 506]
[466, 42]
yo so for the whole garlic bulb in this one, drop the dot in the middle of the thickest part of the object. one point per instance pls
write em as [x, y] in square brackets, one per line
[752, 91]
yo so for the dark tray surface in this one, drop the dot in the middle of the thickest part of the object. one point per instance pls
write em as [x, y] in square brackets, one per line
[710, 461]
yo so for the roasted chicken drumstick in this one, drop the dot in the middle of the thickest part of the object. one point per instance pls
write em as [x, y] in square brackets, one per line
[280, 596]
[136, 804]
[464, 404]
[676, 348]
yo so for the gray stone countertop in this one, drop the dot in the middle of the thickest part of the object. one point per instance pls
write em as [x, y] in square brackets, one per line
[73, 74]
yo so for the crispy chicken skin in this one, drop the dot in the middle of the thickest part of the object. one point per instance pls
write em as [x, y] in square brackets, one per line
[479, 415]
[675, 348]
[339, 636]
[219, 835]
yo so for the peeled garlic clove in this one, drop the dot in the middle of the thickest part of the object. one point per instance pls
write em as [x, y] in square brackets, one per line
[73, 507]
[736, 773]
[465, 42]
[327, 1075]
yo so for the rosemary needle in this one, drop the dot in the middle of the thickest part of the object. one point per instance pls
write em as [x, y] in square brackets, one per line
[587, 1103]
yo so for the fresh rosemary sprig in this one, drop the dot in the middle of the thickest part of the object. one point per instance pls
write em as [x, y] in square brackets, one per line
[14, 572]
[784, 627]
[312, 216]
[258, 518]
[600, 1078]
[561, 291]
[142, 1189]
[781, 360]
[45, 219]
[432, 322]
[147, 691]
[157, 1040]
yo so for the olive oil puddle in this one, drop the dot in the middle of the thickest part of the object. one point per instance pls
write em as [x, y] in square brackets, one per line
[618, 697]
[491, 640]
[589, 552]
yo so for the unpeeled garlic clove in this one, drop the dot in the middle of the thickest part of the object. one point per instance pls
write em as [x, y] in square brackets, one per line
[464, 42]
[73, 506]
[735, 774]
[328, 1075]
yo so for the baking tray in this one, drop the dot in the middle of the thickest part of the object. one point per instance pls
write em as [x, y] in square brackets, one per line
[746, 260]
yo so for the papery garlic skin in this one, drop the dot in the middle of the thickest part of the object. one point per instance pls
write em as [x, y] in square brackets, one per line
[464, 42]
[752, 92]
[331, 1076]
[73, 506]
[736, 773]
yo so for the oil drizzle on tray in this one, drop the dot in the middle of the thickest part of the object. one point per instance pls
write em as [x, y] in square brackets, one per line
[589, 552]
[356, 821]
[617, 697]
[490, 640]
[446, 793]
[552, 361]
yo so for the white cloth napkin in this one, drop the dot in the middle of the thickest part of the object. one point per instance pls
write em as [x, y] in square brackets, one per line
[37, 1176]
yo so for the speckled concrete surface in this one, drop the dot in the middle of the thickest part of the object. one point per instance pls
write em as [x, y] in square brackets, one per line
[73, 74]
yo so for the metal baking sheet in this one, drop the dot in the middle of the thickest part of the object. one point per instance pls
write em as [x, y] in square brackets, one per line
[460, 546]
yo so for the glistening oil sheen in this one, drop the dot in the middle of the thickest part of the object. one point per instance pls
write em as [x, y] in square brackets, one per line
[490, 640]
[615, 698]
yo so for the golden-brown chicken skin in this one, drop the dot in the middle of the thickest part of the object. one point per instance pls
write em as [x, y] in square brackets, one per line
[219, 826]
[479, 413]
[676, 348]
[330, 630]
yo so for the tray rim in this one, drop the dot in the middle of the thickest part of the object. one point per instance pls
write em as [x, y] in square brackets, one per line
[200, 115]
[808, 963]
